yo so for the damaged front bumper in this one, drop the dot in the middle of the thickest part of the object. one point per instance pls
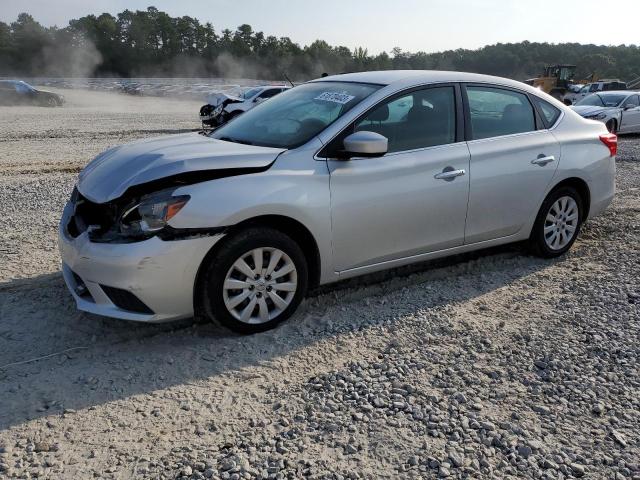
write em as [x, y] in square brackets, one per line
[149, 281]
[212, 115]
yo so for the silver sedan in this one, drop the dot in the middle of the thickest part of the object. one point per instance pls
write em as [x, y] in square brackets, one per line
[334, 178]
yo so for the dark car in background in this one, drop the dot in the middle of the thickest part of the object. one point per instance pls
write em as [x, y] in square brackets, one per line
[17, 92]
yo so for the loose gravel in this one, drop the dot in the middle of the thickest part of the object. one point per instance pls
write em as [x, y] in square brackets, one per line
[488, 365]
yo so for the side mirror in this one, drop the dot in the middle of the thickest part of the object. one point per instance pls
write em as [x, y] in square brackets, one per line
[629, 107]
[258, 100]
[365, 144]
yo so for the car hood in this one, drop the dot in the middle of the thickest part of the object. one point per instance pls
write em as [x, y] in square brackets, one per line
[589, 110]
[114, 171]
[216, 99]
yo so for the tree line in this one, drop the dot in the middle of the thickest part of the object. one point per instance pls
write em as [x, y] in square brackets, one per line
[152, 43]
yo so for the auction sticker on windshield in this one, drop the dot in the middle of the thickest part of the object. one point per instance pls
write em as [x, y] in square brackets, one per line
[335, 97]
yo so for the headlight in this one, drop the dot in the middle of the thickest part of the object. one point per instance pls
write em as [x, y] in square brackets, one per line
[152, 213]
[599, 116]
[217, 111]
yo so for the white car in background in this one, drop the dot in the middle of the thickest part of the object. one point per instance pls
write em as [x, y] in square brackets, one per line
[619, 111]
[222, 107]
[574, 96]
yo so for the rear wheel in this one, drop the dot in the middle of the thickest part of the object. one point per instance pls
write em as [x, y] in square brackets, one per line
[256, 280]
[558, 223]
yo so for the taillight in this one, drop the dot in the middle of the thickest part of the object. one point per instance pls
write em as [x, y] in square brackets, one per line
[611, 141]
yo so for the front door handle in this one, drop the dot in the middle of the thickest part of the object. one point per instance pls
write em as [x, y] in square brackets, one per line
[542, 160]
[449, 174]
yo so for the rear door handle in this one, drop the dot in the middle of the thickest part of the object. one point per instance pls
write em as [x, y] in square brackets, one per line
[542, 160]
[449, 174]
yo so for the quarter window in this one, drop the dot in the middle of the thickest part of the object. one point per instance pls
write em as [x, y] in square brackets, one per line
[549, 112]
[496, 112]
[422, 118]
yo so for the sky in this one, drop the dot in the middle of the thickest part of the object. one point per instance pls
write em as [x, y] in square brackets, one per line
[380, 25]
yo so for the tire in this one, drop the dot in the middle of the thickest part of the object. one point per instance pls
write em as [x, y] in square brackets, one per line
[612, 126]
[558, 95]
[561, 204]
[268, 300]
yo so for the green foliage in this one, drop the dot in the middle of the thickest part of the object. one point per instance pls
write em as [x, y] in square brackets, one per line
[152, 43]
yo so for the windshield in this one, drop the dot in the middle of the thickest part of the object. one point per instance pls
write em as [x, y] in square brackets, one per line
[602, 100]
[292, 118]
[250, 93]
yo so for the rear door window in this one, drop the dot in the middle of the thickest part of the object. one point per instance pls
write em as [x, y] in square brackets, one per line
[496, 112]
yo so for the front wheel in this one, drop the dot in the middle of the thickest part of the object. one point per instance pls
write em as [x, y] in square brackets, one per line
[558, 95]
[255, 281]
[557, 224]
[234, 114]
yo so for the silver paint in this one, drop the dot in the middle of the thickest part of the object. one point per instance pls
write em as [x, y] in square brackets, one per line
[364, 214]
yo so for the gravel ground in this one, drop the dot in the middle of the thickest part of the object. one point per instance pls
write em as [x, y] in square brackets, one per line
[489, 365]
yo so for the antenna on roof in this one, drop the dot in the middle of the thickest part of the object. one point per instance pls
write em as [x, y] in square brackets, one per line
[288, 79]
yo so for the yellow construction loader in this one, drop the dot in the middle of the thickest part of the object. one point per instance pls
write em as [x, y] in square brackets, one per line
[555, 80]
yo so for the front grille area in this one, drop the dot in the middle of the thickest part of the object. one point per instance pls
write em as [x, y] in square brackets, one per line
[99, 216]
[126, 300]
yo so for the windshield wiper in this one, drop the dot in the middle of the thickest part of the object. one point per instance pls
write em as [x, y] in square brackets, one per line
[235, 140]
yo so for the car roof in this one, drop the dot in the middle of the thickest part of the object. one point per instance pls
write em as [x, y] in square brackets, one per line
[14, 82]
[418, 77]
[617, 92]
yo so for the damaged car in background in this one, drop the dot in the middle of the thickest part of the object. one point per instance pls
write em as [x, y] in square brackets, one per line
[17, 92]
[222, 106]
[619, 111]
[335, 178]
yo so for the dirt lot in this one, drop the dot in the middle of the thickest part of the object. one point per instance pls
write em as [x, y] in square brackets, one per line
[491, 365]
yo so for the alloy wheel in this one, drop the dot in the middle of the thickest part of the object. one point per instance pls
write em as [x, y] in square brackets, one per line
[260, 285]
[561, 223]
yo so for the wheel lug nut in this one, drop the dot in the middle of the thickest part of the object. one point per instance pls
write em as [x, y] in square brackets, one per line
[257, 277]
[268, 277]
[258, 295]
[269, 288]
